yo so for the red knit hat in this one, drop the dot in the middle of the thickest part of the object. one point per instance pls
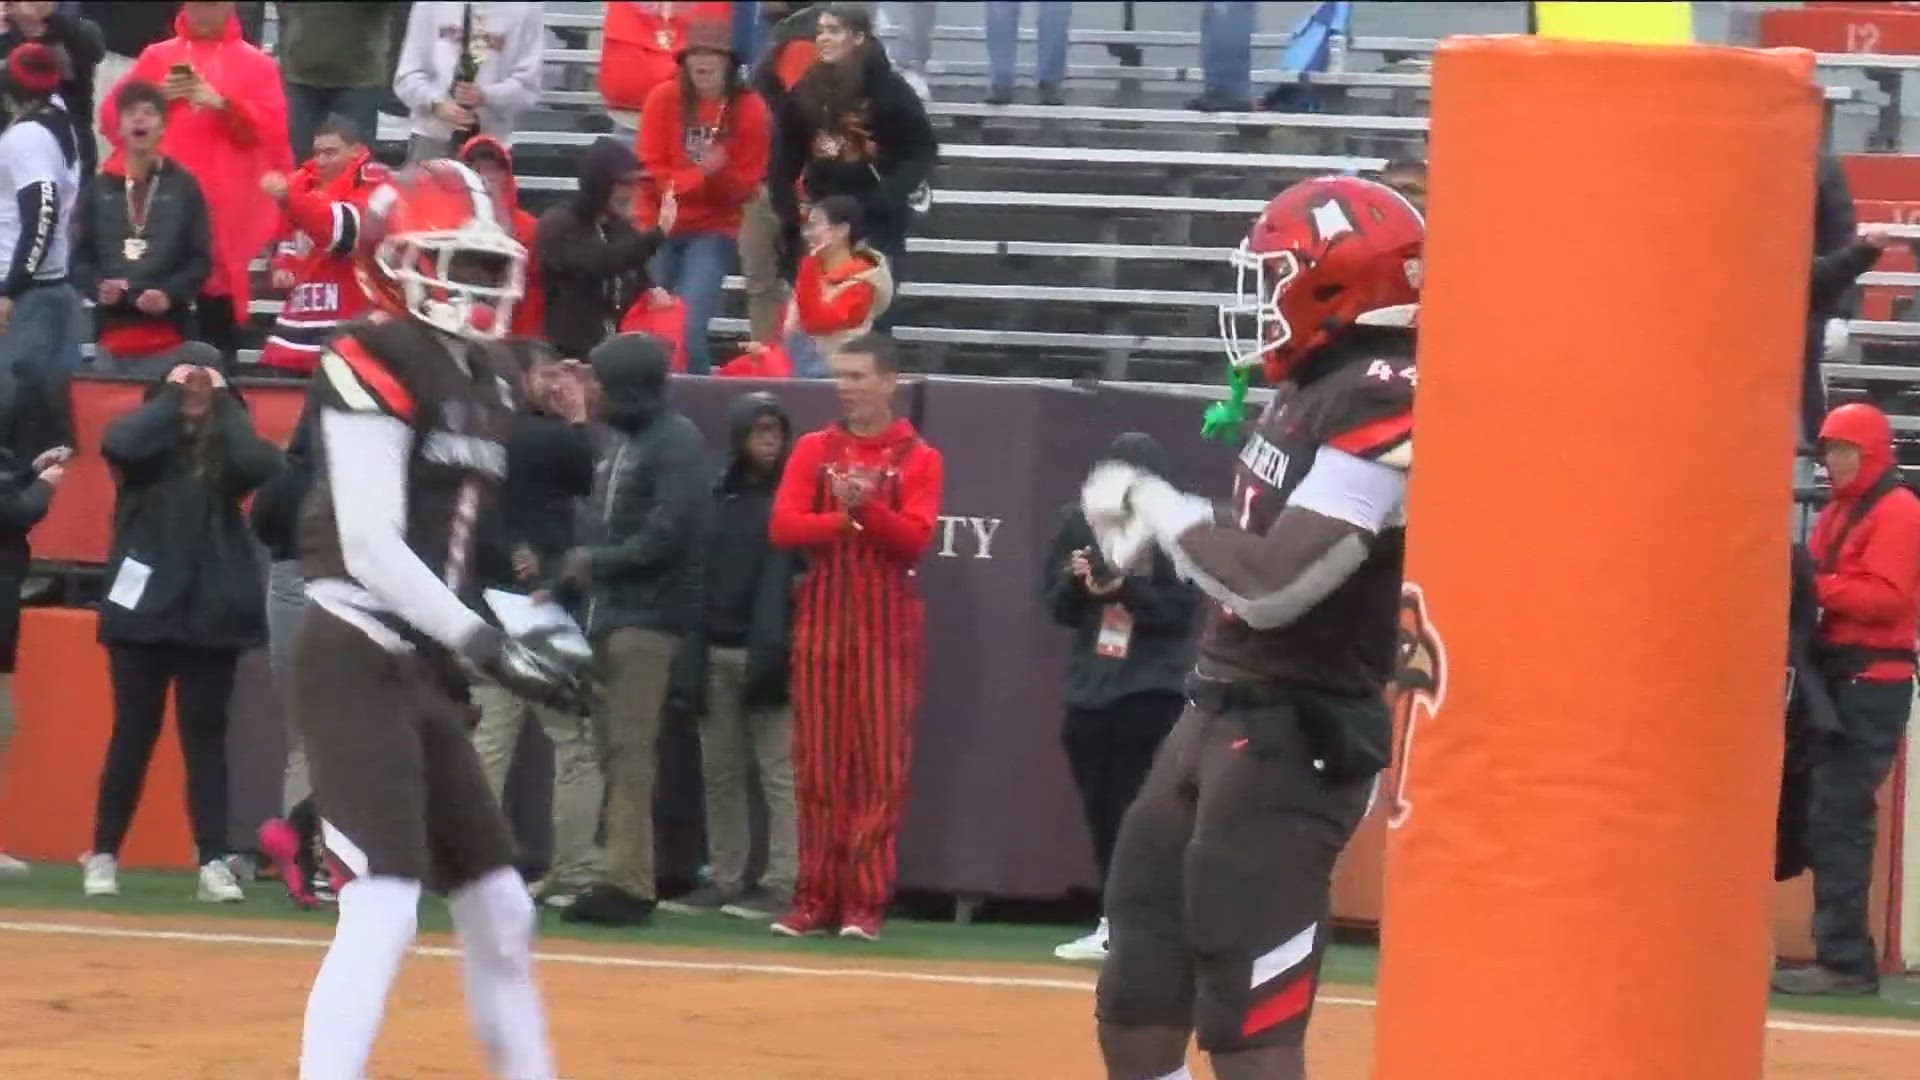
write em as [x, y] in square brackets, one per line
[33, 70]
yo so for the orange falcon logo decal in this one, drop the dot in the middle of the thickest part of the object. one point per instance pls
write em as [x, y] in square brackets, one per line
[1418, 688]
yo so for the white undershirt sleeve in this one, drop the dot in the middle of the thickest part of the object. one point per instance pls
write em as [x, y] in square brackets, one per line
[367, 471]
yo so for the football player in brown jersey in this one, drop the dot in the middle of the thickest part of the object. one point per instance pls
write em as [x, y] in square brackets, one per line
[413, 406]
[1218, 897]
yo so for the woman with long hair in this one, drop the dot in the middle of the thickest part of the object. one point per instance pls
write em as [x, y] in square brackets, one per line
[185, 597]
[703, 138]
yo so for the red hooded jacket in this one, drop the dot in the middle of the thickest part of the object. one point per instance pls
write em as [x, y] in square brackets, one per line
[897, 534]
[638, 43]
[529, 314]
[316, 246]
[226, 151]
[710, 201]
[1869, 588]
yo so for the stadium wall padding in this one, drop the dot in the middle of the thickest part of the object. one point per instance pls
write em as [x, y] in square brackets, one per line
[993, 812]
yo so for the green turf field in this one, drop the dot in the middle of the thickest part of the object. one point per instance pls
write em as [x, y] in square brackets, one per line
[54, 889]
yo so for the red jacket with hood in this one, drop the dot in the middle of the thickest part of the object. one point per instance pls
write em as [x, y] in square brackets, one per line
[710, 201]
[890, 530]
[1869, 587]
[317, 244]
[530, 312]
[226, 151]
[638, 42]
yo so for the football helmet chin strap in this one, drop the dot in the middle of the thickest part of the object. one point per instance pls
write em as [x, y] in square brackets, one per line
[1131, 511]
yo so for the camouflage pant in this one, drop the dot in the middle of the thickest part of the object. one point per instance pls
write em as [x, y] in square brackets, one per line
[1841, 830]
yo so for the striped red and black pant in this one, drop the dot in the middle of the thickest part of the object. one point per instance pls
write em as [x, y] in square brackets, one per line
[856, 666]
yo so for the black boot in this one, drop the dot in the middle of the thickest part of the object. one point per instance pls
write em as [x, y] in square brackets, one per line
[605, 905]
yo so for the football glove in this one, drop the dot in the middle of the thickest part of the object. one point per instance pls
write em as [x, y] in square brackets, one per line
[546, 666]
[1131, 511]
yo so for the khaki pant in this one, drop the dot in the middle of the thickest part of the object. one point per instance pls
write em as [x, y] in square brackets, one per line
[633, 668]
[759, 243]
[731, 739]
[578, 787]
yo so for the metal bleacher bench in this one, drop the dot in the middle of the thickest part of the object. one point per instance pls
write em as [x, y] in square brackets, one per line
[977, 69]
[590, 22]
[1048, 199]
[1352, 80]
[1052, 155]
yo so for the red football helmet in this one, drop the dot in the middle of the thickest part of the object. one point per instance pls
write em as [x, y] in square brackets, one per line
[1326, 254]
[432, 248]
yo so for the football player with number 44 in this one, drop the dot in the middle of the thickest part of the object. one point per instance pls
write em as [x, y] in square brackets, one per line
[1218, 898]
[413, 408]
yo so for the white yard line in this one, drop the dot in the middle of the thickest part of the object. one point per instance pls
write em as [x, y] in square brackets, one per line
[727, 967]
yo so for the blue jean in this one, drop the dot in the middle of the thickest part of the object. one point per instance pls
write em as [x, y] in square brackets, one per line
[694, 268]
[913, 21]
[46, 330]
[807, 361]
[1226, 48]
[309, 106]
[1003, 41]
[286, 606]
[744, 35]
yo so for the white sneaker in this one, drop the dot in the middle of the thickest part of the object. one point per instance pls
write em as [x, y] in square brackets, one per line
[11, 867]
[218, 885]
[100, 875]
[918, 83]
[1091, 947]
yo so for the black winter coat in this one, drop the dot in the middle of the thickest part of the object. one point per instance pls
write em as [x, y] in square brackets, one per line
[648, 514]
[1160, 646]
[747, 582]
[179, 247]
[880, 154]
[590, 269]
[276, 506]
[549, 471]
[176, 512]
[24, 499]
[129, 26]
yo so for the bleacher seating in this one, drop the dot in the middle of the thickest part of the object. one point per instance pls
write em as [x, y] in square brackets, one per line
[1088, 239]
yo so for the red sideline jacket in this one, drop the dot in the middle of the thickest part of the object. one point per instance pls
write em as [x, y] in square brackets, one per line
[638, 43]
[671, 153]
[1870, 588]
[898, 533]
[322, 227]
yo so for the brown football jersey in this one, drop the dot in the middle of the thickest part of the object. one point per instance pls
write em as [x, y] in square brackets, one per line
[1360, 403]
[443, 437]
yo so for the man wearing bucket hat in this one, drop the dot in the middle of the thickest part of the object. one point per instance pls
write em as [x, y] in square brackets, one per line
[703, 137]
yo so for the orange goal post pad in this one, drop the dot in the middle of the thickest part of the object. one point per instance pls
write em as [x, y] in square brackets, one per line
[1579, 878]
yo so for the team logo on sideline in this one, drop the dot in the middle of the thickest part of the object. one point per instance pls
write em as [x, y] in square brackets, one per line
[1418, 689]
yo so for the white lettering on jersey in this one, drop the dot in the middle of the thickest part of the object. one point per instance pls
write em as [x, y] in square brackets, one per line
[1382, 371]
[1265, 460]
[313, 296]
[465, 452]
